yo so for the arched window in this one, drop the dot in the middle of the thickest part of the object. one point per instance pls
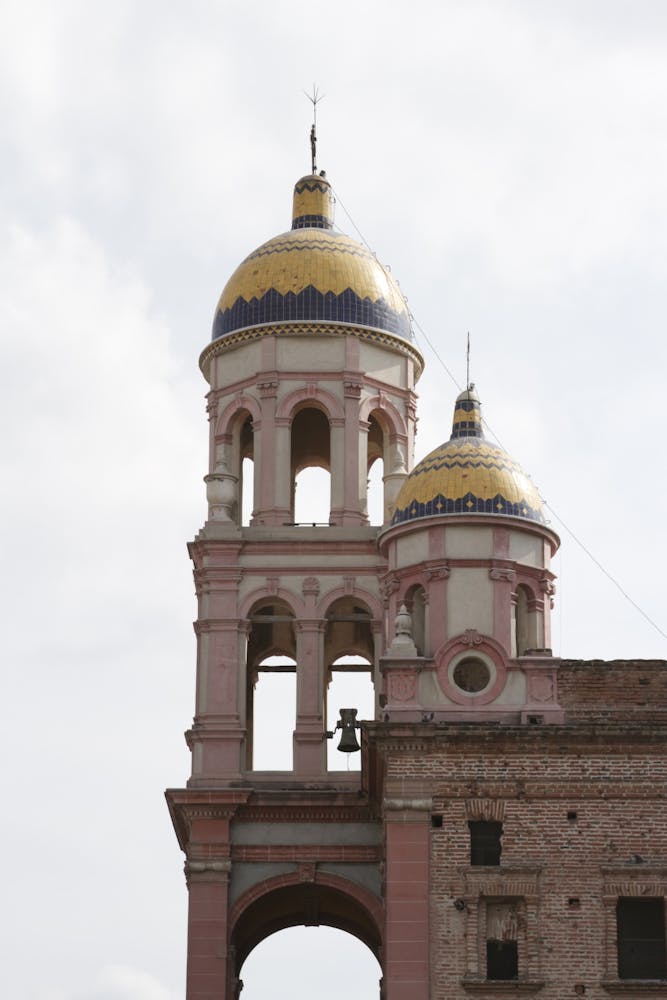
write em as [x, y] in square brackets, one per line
[311, 450]
[246, 471]
[271, 687]
[375, 505]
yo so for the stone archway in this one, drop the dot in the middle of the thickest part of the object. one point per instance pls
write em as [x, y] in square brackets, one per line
[289, 902]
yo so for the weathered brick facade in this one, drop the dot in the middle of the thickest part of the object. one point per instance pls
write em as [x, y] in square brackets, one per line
[582, 807]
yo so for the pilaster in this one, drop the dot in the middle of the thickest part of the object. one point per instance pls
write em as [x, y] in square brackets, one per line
[407, 826]
[309, 745]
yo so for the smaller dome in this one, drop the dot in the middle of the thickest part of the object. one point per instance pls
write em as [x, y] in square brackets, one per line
[468, 475]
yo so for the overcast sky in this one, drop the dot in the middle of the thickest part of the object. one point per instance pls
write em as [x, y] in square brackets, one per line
[506, 159]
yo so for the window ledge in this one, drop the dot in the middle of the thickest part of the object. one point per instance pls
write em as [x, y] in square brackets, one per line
[494, 986]
[657, 986]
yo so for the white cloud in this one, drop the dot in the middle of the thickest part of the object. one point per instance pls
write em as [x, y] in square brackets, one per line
[121, 982]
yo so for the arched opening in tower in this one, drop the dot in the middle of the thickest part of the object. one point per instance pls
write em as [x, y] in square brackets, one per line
[375, 499]
[246, 470]
[310, 467]
[349, 657]
[271, 687]
[274, 713]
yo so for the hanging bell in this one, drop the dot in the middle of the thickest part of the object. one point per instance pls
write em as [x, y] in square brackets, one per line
[347, 724]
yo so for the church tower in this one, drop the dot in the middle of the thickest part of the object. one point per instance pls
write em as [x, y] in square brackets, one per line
[445, 605]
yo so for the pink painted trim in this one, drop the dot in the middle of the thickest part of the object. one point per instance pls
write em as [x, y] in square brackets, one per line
[391, 415]
[487, 645]
[295, 603]
[226, 418]
[332, 406]
[491, 520]
[370, 903]
[374, 605]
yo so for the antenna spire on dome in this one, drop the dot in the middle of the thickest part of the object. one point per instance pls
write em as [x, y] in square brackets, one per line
[315, 99]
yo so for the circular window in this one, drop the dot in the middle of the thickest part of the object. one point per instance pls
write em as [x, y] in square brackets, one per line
[471, 675]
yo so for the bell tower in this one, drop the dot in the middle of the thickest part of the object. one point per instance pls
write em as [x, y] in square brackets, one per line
[468, 561]
[311, 364]
[444, 606]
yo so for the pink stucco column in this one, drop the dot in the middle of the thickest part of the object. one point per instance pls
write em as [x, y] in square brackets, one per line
[504, 578]
[407, 904]
[354, 490]
[339, 462]
[280, 499]
[208, 973]
[309, 746]
[217, 735]
[265, 451]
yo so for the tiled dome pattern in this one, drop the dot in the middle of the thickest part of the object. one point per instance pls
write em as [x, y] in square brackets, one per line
[468, 475]
[312, 274]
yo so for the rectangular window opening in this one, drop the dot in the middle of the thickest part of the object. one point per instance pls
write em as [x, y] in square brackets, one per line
[640, 926]
[485, 846]
[502, 960]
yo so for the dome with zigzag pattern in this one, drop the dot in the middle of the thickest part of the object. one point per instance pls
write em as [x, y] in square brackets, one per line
[468, 475]
[312, 274]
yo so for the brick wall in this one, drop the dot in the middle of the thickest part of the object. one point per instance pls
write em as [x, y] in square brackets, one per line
[615, 689]
[565, 873]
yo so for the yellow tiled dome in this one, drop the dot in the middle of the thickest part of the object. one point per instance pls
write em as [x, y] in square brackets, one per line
[468, 475]
[312, 274]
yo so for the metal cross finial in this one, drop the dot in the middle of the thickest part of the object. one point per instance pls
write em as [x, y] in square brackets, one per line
[315, 100]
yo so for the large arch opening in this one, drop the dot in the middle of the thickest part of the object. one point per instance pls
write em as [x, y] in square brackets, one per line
[310, 450]
[327, 963]
[314, 912]
[271, 685]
